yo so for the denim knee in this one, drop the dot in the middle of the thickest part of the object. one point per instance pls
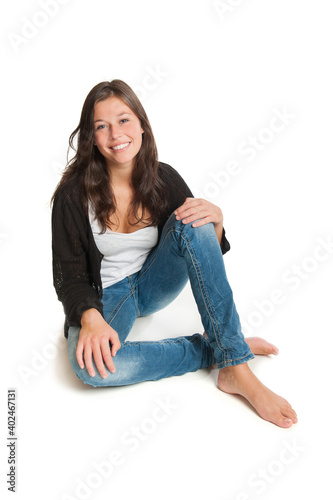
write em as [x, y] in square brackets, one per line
[205, 229]
[122, 376]
[125, 367]
[198, 237]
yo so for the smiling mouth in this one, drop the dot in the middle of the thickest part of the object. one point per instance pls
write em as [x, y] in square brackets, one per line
[119, 147]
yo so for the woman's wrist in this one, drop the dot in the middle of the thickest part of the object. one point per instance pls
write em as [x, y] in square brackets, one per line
[90, 315]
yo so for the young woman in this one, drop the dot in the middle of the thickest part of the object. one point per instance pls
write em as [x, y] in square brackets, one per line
[127, 236]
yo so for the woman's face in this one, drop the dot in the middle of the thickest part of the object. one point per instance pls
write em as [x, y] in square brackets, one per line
[117, 133]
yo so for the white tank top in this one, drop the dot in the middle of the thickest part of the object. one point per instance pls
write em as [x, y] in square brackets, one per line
[124, 253]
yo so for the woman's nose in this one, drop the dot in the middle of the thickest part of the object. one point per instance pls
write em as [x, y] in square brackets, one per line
[114, 131]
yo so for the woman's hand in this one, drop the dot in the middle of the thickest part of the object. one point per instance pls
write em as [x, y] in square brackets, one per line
[197, 208]
[94, 339]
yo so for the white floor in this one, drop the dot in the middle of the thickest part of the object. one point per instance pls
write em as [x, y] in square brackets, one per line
[204, 79]
[180, 437]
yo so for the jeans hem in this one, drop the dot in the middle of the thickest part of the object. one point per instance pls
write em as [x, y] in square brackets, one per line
[234, 362]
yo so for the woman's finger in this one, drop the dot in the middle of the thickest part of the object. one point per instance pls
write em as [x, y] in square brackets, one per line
[88, 359]
[189, 202]
[115, 344]
[79, 352]
[98, 358]
[106, 353]
[202, 222]
[196, 216]
[191, 210]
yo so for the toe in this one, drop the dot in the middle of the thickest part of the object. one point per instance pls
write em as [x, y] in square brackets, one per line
[285, 418]
[279, 419]
[275, 350]
[289, 414]
[271, 349]
[287, 422]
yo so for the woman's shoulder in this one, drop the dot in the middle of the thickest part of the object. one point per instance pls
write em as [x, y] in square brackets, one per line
[166, 169]
[178, 189]
[68, 198]
[169, 174]
[68, 191]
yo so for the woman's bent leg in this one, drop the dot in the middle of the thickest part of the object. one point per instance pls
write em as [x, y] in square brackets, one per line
[182, 251]
[196, 250]
[201, 252]
[140, 361]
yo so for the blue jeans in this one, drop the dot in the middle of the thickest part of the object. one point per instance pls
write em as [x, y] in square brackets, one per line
[183, 253]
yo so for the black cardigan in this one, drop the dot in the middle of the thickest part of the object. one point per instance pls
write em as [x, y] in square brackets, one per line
[76, 258]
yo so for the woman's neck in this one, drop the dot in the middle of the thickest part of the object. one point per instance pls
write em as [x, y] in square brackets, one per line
[120, 181]
[120, 176]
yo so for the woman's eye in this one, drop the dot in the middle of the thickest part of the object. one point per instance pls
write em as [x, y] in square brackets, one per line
[124, 120]
[100, 127]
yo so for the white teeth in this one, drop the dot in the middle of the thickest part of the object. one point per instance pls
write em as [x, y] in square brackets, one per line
[121, 146]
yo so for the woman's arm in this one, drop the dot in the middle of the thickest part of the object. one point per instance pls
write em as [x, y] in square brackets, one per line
[73, 284]
[71, 274]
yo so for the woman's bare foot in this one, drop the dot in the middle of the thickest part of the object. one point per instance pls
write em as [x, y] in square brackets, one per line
[261, 346]
[239, 379]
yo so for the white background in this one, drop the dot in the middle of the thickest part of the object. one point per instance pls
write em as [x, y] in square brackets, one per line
[219, 76]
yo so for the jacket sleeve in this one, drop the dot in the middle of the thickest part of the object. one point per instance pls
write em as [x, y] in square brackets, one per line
[71, 272]
[180, 187]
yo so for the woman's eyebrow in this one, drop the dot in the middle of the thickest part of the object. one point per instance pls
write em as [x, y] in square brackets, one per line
[120, 114]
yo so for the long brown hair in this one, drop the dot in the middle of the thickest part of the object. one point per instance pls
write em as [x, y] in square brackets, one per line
[88, 166]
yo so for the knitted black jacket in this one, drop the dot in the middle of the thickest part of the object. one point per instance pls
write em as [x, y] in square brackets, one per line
[76, 258]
